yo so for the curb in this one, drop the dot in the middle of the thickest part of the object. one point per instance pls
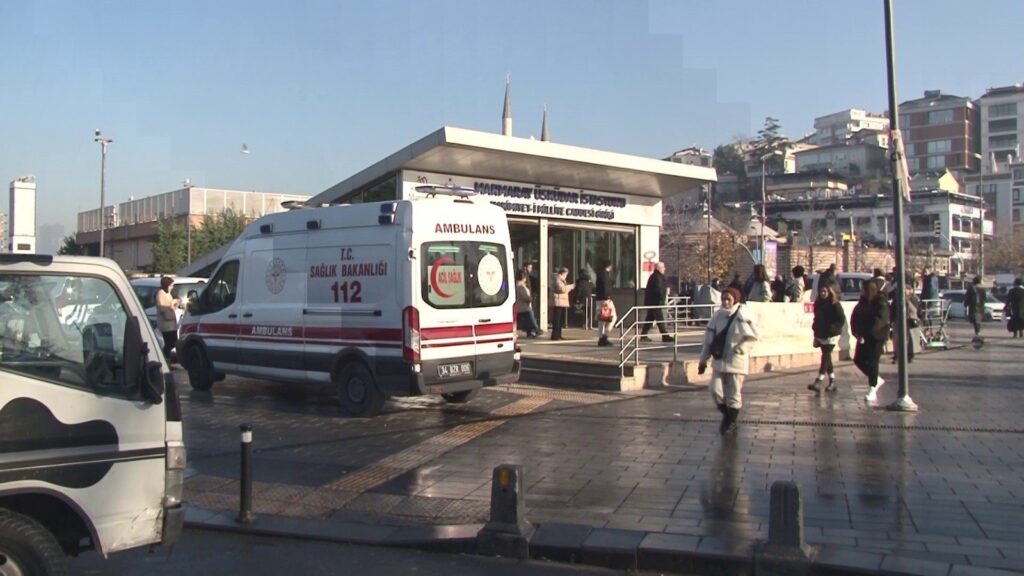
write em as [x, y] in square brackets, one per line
[617, 549]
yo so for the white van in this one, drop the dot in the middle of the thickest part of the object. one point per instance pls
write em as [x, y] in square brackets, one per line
[380, 299]
[91, 453]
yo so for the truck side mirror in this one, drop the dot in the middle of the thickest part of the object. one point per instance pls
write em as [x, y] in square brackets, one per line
[138, 369]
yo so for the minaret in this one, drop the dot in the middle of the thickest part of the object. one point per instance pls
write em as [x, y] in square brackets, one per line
[506, 114]
[544, 126]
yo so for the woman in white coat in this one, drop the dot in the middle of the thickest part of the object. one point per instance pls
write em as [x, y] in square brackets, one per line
[730, 335]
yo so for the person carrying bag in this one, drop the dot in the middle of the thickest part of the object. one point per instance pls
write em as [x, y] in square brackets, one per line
[730, 335]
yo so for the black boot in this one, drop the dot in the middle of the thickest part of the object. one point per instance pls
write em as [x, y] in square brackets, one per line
[725, 418]
[729, 422]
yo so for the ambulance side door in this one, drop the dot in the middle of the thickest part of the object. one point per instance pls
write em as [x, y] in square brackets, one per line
[270, 330]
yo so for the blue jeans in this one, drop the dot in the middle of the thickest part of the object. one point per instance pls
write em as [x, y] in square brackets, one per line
[528, 322]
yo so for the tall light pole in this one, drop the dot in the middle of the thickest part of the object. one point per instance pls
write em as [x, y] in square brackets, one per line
[103, 182]
[764, 196]
[903, 403]
[981, 207]
[707, 214]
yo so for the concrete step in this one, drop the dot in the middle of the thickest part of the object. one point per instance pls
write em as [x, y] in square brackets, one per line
[578, 374]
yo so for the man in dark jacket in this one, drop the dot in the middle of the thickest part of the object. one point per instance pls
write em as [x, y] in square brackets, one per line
[656, 294]
[974, 300]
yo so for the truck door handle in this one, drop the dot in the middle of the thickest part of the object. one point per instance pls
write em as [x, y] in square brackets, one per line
[232, 315]
[484, 320]
[247, 315]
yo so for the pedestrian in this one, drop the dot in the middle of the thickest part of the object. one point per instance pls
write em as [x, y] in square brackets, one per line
[603, 304]
[869, 323]
[1015, 309]
[656, 294]
[929, 285]
[736, 283]
[829, 318]
[166, 315]
[730, 335]
[779, 289]
[829, 276]
[913, 307]
[760, 288]
[582, 294]
[560, 289]
[532, 270]
[524, 305]
[796, 289]
[974, 299]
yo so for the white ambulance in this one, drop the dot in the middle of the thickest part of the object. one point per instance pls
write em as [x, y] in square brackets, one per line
[380, 299]
[91, 453]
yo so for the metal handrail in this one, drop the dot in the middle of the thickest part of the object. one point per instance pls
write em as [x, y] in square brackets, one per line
[678, 316]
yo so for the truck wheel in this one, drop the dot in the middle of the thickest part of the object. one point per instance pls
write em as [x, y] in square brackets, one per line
[26, 548]
[460, 397]
[200, 373]
[357, 391]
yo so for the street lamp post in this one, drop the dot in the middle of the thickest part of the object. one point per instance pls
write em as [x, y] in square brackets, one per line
[764, 196]
[103, 142]
[707, 215]
[981, 208]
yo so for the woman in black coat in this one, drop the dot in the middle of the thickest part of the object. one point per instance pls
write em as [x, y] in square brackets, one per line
[869, 323]
[829, 319]
[1015, 308]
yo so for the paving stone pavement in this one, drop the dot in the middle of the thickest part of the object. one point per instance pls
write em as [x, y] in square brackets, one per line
[943, 485]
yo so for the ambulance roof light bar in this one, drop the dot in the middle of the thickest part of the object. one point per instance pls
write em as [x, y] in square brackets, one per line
[449, 189]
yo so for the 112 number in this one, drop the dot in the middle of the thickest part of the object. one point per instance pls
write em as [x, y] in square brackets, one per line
[342, 291]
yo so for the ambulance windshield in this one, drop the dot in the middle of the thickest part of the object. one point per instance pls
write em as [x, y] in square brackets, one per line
[464, 274]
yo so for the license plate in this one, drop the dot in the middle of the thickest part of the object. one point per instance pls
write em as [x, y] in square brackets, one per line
[459, 369]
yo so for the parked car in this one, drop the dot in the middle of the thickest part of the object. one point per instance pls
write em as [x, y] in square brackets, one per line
[146, 289]
[849, 283]
[955, 301]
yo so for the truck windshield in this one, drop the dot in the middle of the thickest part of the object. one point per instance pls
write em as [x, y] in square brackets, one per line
[464, 274]
[67, 329]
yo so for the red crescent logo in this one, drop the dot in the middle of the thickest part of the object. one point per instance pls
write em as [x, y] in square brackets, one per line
[433, 275]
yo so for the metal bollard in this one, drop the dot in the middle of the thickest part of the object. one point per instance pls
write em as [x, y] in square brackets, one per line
[508, 532]
[245, 515]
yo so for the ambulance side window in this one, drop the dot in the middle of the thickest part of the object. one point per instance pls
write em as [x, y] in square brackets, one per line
[220, 291]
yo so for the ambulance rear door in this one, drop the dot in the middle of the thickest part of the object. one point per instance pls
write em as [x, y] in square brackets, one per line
[465, 316]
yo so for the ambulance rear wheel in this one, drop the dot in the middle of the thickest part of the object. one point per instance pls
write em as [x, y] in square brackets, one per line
[26, 547]
[200, 373]
[358, 392]
[460, 397]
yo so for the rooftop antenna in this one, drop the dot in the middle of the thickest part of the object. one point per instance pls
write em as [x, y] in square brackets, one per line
[245, 149]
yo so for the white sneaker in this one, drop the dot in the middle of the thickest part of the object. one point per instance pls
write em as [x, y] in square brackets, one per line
[871, 395]
[880, 382]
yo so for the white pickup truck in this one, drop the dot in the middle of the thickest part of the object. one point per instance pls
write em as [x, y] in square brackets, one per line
[91, 451]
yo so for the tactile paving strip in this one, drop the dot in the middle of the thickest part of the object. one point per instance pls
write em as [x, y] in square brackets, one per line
[413, 457]
[572, 396]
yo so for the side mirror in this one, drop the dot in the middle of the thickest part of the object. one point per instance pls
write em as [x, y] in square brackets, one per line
[138, 369]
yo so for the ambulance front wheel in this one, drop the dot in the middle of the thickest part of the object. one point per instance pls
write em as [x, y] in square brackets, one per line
[200, 373]
[358, 392]
[460, 397]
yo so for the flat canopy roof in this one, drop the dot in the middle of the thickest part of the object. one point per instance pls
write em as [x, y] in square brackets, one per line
[461, 152]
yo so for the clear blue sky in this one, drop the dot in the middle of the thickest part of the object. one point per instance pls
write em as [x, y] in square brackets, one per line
[319, 89]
